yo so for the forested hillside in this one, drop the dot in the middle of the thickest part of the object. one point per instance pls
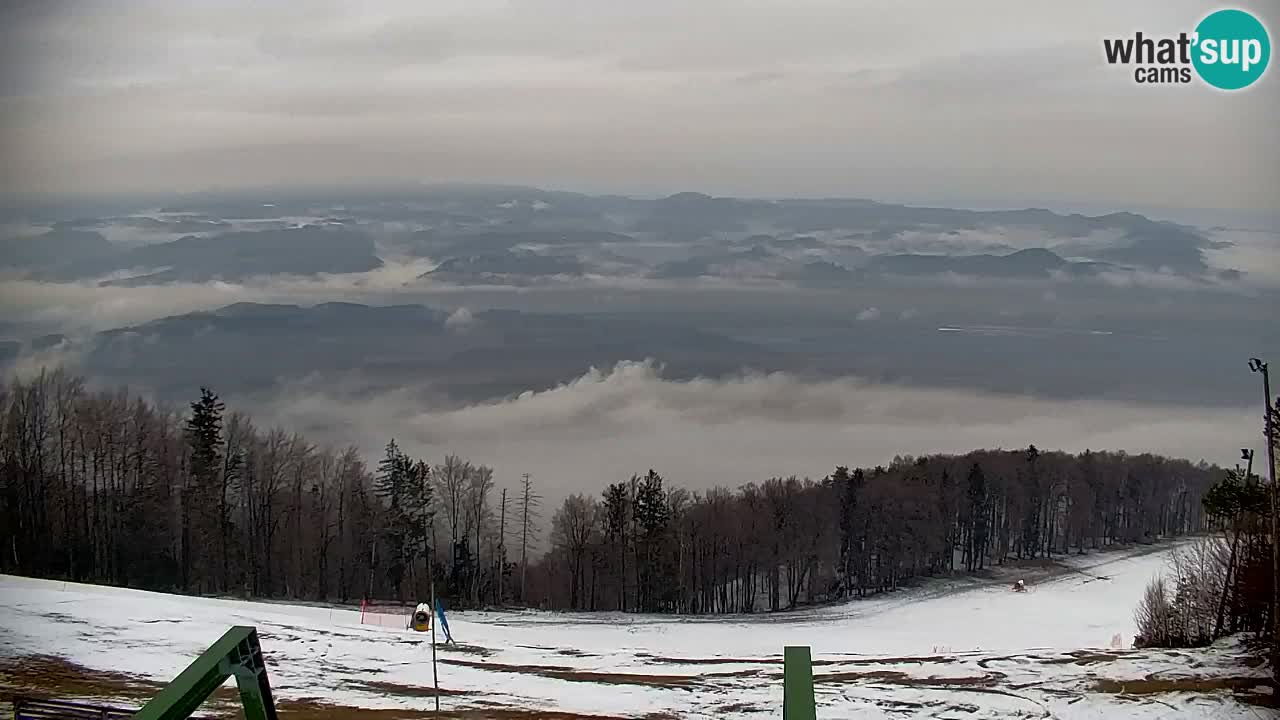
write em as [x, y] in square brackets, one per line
[106, 487]
[784, 542]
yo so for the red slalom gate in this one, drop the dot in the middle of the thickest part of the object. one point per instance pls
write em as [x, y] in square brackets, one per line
[390, 616]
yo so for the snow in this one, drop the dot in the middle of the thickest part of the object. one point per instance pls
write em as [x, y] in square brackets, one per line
[953, 648]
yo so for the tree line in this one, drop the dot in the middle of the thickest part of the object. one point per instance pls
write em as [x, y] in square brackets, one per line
[647, 546]
[106, 487]
[1225, 583]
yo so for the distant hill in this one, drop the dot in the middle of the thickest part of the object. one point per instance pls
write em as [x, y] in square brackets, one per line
[1031, 263]
[757, 260]
[307, 250]
[499, 265]
[249, 346]
[56, 246]
[438, 243]
[481, 231]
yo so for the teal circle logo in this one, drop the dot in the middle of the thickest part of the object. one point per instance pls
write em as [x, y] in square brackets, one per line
[1232, 49]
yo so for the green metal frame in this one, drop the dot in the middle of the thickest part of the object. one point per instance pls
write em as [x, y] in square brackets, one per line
[797, 684]
[236, 654]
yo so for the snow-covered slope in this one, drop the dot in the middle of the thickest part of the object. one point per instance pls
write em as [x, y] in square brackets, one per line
[952, 649]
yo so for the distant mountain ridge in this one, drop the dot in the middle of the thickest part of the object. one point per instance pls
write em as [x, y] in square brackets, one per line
[515, 234]
[1032, 262]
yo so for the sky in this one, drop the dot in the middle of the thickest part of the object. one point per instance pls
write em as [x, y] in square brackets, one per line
[979, 102]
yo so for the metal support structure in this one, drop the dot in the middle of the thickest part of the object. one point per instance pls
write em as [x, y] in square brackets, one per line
[1257, 365]
[236, 654]
[797, 681]
[26, 708]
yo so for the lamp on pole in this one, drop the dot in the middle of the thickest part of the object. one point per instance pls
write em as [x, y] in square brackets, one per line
[1256, 365]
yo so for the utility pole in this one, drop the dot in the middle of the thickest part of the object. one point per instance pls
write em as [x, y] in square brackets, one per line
[524, 541]
[1257, 365]
[502, 546]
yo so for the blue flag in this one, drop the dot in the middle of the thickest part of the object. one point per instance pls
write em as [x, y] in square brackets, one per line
[444, 623]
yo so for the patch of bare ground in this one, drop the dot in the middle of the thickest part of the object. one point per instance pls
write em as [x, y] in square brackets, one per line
[658, 659]
[390, 688]
[312, 710]
[818, 662]
[1153, 685]
[667, 681]
[1245, 689]
[51, 677]
[561, 672]
[464, 649]
[890, 660]
[894, 677]
[1087, 657]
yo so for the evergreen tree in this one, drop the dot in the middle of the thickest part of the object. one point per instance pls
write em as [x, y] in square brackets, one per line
[652, 516]
[203, 433]
[405, 485]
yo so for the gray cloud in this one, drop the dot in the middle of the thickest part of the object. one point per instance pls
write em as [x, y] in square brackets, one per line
[913, 100]
[88, 306]
[459, 319]
[610, 423]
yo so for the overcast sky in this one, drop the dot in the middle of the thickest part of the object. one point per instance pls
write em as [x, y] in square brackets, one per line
[997, 102]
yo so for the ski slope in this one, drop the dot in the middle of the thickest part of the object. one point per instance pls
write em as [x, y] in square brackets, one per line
[960, 648]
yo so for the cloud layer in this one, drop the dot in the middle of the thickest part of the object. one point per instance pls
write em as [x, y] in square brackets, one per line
[608, 424]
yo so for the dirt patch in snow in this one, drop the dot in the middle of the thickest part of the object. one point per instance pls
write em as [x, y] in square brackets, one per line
[900, 678]
[312, 710]
[464, 649]
[1087, 657]
[390, 688]
[657, 659]
[817, 662]
[1157, 686]
[41, 676]
[571, 674]
[55, 678]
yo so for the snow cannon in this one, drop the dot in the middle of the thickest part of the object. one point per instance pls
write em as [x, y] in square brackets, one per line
[420, 621]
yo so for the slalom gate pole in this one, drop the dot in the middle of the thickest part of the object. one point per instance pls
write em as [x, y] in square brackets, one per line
[435, 675]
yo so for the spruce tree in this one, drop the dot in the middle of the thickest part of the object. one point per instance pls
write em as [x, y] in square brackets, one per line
[405, 485]
[203, 432]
